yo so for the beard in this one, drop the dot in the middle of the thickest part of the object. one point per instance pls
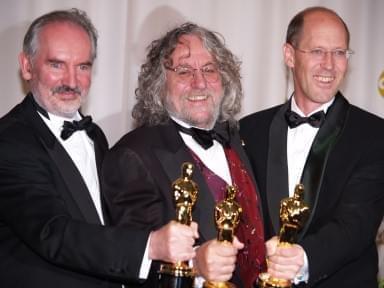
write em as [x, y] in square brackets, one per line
[60, 106]
[204, 117]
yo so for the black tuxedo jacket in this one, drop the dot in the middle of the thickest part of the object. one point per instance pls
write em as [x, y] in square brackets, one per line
[344, 187]
[50, 233]
[137, 176]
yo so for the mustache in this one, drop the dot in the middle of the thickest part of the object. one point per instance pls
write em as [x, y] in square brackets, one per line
[66, 89]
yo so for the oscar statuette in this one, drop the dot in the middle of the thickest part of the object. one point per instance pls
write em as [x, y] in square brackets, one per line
[227, 217]
[293, 216]
[185, 190]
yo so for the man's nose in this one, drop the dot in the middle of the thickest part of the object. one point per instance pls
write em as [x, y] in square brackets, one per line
[198, 80]
[70, 77]
[328, 60]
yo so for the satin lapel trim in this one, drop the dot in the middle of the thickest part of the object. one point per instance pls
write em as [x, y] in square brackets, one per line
[100, 150]
[277, 167]
[171, 162]
[32, 117]
[74, 182]
[323, 143]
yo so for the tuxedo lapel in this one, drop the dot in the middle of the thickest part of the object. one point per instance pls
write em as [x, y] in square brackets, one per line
[322, 145]
[277, 167]
[101, 146]
[74, 182]
[237, 146]
[171, 156]
[71, 176]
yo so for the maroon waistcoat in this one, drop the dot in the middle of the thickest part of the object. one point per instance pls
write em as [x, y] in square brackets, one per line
[251, 259]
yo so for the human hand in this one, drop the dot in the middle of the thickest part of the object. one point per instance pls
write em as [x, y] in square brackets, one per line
[216, 261]
[173, 242]
[284, 261]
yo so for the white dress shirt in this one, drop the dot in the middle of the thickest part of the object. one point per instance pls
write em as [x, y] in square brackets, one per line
[299, 142]
[82, 152]
[213, 158]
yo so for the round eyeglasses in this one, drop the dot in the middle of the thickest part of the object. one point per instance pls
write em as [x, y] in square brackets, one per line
[186, 73]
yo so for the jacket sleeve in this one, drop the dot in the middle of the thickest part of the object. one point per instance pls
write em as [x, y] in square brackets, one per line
[348, 234]
[33, 210]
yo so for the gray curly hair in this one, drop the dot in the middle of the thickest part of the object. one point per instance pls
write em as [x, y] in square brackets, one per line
[151, 90]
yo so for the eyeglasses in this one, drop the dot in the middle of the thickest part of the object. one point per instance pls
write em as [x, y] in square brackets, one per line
[320, 53]
[186, 73]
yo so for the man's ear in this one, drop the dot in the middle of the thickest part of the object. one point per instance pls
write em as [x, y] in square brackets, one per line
[25, 66]
[289, 53]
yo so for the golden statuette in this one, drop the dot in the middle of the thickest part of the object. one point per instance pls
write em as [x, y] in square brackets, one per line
[185, 191]
[227, 218]
[293, 216]
[185, 194]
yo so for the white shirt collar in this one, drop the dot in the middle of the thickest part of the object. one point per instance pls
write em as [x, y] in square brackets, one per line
[182, 123]
[56, 122]
[213, 157]
[323, 107]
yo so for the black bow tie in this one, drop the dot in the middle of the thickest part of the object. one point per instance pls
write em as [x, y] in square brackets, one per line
[205, 137]
[70, 127]
[294, 119]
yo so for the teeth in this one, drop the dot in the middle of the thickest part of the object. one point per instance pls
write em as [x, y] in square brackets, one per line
[197, 97]
[325, 79]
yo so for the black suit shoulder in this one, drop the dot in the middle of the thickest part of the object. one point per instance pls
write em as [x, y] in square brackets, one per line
[135, 137]
[263, 114]
[257, 122]
[18, 134]
[360, 118]
[146, 139]
[361, 133]
[132, 162]
[254, 131]
[13, 120]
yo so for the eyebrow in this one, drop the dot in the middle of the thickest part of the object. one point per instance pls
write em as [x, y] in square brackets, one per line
[88, 63]
[206, 64]
[55, 60]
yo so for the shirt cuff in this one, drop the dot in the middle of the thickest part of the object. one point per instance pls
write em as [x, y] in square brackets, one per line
[199, 280]
[303, 274]
[146, 262]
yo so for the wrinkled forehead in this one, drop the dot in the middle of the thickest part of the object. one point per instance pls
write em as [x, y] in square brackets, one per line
[190, 46]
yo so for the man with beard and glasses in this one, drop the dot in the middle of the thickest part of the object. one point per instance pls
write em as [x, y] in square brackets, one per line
[188, 93]
[334, 148]
[52, 213]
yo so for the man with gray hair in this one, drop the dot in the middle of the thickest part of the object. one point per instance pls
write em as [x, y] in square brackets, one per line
[52, 216]
[188, 94]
